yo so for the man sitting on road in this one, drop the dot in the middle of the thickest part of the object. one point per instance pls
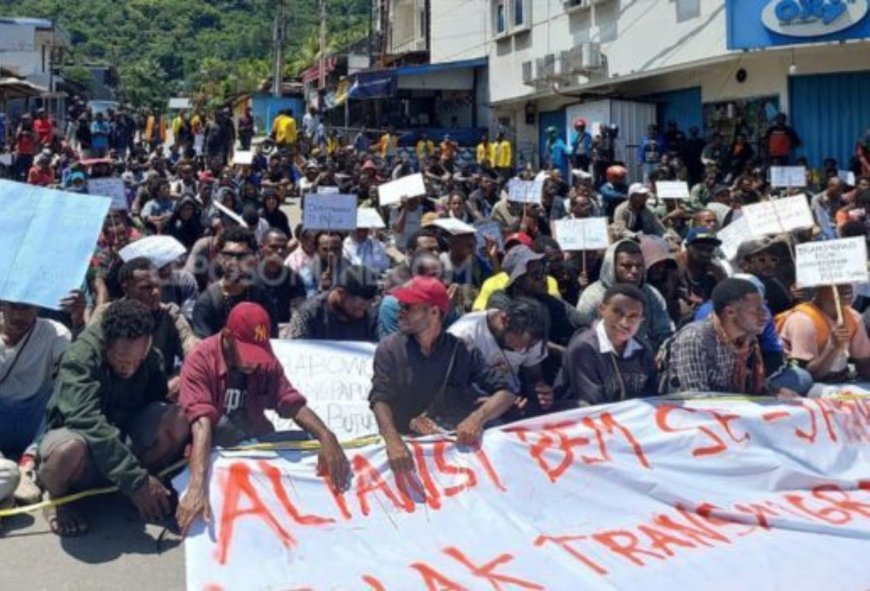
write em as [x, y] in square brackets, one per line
[109, 420]
[228, 381]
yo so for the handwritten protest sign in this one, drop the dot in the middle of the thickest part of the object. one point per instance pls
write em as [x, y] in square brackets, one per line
[672, 189]
[243, 158]
[454, 226]
[408, 186]
[831, 262]
[489, 230]
[733, 235]
[670, 493]
[112, 188]
[47, 239]
[160, 250]
[336, 378]
[329, 212]
[777, 216]
[582, 234]
[788, 176]
[327, 190]
[522, 191]
[368, 217]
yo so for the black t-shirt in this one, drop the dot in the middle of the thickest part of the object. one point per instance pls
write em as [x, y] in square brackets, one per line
[315, 320]
[211, 309]
[237, 388]
[287, 287]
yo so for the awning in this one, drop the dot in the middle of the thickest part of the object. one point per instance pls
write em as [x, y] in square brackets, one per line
[12, 88]
[312, 74]
[384, 83]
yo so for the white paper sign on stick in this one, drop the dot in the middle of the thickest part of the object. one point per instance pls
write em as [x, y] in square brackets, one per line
[781, 215]
[327, 190]
[110, 187]
[847, 176]
[230, 214]
[489, 230]
[831, 262]
[454, 226]
[243, 158]
[522, 191]
[408, 186]
[672, 189]
[329, 212]
[788, 176]
[336, 378]
[368, 217]
[160, 250]
[583, 234]
[198, 142]
[732, 236]
[6, 159]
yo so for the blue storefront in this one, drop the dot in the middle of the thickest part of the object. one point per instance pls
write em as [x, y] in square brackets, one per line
[828, 108]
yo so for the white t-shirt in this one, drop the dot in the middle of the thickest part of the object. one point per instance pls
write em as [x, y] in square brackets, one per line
[37, 362]
[473, 329]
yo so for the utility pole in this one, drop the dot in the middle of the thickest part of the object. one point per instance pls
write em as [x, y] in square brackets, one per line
[322, 83]
[279, 34]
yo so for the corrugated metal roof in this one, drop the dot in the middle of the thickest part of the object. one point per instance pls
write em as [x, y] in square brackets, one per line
[39, 23]
[829, 112]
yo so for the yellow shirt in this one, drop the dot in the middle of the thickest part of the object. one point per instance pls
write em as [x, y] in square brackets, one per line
[500, 281]
[388, 145]
[285, 129]
[485, 152]
[425, 149]
[502, 156]
[176, 126]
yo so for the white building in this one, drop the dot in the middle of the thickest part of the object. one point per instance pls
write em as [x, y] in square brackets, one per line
[719, 65]
[30, 48]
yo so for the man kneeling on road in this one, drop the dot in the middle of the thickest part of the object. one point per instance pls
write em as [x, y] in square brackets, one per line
[426, 379]
[227, 383]
[108, 418]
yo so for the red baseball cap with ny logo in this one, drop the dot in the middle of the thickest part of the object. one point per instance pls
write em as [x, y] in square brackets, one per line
[248, 324]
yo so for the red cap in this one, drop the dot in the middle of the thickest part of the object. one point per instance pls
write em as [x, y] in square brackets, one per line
[579, 121]
[424, 290]
[206, 177]
[520, 237]
[248, 325]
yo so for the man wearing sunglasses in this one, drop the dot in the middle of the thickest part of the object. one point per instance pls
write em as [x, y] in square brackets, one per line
[759, 258]
[236, 262]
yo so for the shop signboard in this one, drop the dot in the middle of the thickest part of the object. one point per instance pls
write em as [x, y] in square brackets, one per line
[767, 23]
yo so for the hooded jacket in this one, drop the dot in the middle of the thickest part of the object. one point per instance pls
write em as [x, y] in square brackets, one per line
[657, 325]
[91, 400]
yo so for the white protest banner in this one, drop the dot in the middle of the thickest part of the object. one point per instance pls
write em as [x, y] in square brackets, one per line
[489, 230]
[368, 217]
[582, 234]
[672, 189]
[329, 212]
[47, 239]
[732, 236]
[336, 378]
[160, 250]
[243, 157]
[230, 214]
[525, 191]
[847, 176]
[788, 176]
[110, 187]
[408, 186]
[779, 215]
[678, 494]
[831, 262]
[454, 226]
[327, 190]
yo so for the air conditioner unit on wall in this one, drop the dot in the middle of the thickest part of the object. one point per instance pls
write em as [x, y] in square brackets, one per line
[590, 56]
[528, 73]
[545, 67]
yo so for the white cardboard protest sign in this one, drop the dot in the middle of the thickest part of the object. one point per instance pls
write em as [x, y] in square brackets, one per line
[408, 186]
[198, 143]
[847, 176]
[788, 176]
[676, 494]
[672, 189]
[327, 190]
[230, 214]
[582, 234]
[243, 157]
[160, 250]
[454, 226]
[779, 215]
[489, 229]
[6, 159]
[522, 191]
[335, 378]
[732, 236]
[831, 262]
[329, 212]
[110, 187]
[368, 217]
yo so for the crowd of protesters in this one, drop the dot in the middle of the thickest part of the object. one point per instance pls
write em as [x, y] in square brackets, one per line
[145, 361]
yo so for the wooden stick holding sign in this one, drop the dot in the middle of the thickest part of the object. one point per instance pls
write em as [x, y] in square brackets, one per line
[582, 235]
